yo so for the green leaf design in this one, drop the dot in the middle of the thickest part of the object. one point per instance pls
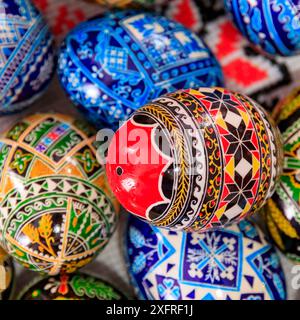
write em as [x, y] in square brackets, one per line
[93, 288]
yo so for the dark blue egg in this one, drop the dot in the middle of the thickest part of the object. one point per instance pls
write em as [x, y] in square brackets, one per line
[26, 55]
[112, 65]
[272, 25]
[236, 263]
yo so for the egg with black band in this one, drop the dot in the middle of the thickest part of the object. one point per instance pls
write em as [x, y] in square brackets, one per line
[195, 160]
[283, 209]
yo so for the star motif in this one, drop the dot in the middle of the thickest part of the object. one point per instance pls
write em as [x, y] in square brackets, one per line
[88, 160]
[239, 194]
[218, 99]
[21, 161]
[240, 140]
[15, 133]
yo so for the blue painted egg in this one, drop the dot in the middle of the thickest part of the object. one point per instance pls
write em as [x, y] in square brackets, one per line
[236, 263]
[112, 65]
[273, 25]
[26, 55]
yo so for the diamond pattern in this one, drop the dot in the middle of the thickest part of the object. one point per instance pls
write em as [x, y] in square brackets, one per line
[115, 59]
[15, 28]
[233, 119]
[245, 69]
[243, 168]
[55, 184]
[211, 259]
[241, 154]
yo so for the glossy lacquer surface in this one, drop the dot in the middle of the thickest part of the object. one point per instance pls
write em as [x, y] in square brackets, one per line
[76, 286]
[236, 263]
[273, 25]
[26, 55]
[56, 211]
[195, 160]
[283, 210]
[112, 65]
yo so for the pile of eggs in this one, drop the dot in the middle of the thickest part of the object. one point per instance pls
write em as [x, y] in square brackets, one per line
[112, 65]
[191, 162]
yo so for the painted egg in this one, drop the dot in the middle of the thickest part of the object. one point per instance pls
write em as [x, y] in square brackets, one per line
[274, 26]
[195, 159]
[77, 286]
[56, 211]
[112, 65]
[236, 263]
[26, 55]
[7, 273]
[283, 209]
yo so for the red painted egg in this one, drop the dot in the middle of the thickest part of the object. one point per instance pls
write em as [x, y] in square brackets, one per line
[195, 159]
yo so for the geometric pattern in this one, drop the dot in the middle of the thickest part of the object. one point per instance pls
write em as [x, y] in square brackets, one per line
[209, 258]
[77, 286]
[271, 25]
[283, 210]
[265, 262]
[26, 55]
[238, 159]
[265, 79]
[115, 59]
[56, 211]
[149, 248]
[241, 153]
[132, 59]
[215, 265]
[62, 15]
[168, 288]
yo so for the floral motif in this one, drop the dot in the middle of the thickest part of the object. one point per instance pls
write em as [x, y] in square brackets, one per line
[76, 286]
[212, 258]
[273, 25]
[138, 240]
[40, 234]
[227, 264]
[56, 212]
[139, 55]
[61, 286]
[21, 161]
[168, 289]
[88, 160]
[16, 131]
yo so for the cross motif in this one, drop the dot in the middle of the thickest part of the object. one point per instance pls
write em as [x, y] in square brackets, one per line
[88, 160]
[21, 161]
